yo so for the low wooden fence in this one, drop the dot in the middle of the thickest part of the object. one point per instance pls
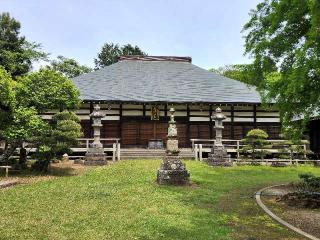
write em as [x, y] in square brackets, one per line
[201, 146]
[111, 145]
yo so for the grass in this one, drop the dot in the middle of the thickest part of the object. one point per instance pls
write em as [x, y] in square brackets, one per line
[122, 201]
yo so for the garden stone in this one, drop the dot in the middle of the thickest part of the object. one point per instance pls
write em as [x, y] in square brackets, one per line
[279, 164]
[316, 163]
[218, 155]
[65, 157]
[172, 170]
[95, 154]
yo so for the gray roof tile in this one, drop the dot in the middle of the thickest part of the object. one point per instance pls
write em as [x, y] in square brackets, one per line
[162, 81]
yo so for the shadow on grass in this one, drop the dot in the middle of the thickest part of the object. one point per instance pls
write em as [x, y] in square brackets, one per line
[55, 170]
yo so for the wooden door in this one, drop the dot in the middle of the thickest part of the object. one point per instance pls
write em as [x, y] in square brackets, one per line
[139, 133]
[183, 135]
[130, 133]
[146, 133]
[86, 128]
[200, 131]
[110, 129]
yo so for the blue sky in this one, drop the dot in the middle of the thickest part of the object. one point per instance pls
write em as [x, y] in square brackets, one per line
[206, 30]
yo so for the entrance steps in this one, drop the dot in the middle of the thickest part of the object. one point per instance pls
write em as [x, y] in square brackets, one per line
[142, 153]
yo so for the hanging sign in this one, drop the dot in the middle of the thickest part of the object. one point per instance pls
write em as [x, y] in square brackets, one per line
[155, 113]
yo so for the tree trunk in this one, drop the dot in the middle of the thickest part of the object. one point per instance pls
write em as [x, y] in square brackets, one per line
[41, 166]
[23, 158]
[8, 152]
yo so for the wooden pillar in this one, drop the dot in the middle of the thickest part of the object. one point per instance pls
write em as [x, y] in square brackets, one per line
[166, 110]
[144, 110]
[232, 121]
[211, 122]
[91, 129]
[255, 116]
[188, 125]
[120, 122]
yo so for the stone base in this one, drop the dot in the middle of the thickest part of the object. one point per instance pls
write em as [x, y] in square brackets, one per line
[219, 158]
[279, 164]
[219, 163]
[172, 171]
[95, 159]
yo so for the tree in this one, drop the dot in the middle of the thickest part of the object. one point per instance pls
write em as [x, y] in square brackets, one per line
[47, 90]
[111, 52]
[241, 72]
[16, 53]
[283, 38]
[64, 130]
[34, 94]
[68, 67]
[7, 98]
[25, 125]
[255, 141]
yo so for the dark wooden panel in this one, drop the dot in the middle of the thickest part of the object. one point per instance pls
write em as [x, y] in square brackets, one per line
[110, 129]
[138, 133]
[226, 132]
[273, 129]
[247, 128]
[146, 133]
[130, 133]
[200, 131]
[183, 134]
[86, 125]
[161, 131]
[238, 132]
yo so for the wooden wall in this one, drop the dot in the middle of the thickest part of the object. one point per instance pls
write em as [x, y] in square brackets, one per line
[132, 122]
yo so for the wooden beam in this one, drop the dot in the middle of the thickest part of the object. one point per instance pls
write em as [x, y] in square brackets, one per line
[144, 110]
[120, 122]
[211, 122]
[91, 122]
[232, 121]
[255, 116]
[188, 125]
[165, 110]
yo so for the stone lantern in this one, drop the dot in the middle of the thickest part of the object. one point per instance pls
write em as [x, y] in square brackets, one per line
[218, 117]
[95, 154]
[172, 170]
[218, 155]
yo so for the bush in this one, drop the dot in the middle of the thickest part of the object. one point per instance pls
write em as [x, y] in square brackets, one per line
[307, 193]
[62, 135]
[255, 142]
[309, 183]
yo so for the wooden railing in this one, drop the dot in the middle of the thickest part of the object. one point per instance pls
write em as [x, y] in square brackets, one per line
[109, 144]
[200, 146]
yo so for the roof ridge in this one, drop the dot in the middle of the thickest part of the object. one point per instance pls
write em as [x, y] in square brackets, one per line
[155, 58]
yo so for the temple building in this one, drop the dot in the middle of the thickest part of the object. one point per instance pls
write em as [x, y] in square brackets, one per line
[137, 92]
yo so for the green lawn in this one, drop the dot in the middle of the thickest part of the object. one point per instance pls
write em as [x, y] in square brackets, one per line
[122, 201]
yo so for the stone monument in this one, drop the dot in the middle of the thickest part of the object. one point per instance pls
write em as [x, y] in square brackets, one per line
[172, 170]
[218, 155]
[95, 154]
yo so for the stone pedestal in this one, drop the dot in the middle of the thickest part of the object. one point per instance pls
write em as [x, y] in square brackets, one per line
[218, 155]
[172, 170]
[95, 154]
[95, 157]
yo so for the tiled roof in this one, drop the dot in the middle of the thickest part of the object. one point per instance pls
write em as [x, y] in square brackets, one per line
[162, 81]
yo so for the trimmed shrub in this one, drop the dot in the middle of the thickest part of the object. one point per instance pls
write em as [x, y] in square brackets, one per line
[255, 142]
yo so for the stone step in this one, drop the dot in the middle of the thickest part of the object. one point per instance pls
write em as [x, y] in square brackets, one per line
[142, 153]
